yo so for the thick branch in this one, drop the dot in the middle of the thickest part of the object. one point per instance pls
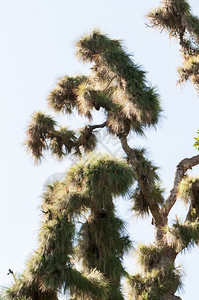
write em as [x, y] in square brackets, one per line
[145, 186]
[92, 127]
[182, 168]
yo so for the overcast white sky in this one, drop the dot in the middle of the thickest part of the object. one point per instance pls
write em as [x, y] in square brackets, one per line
[37, 47]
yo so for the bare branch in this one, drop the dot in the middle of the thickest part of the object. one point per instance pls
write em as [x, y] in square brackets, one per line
[182, 168]
[92, 127]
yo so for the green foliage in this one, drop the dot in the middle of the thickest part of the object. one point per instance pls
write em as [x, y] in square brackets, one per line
[184, 236]
[196, 144]
[189, 193]
[116, 84]
[43, 135]
[102, 240]
[117, 87]
[102, 172]
[63, 142]
[140, 205]
[156, 284]
[185, 188]
[171, 15]
[176, 18]
[87, 139]
[148, 169]
[89, 186]
[150, 257]
[108, 173]
[190, 70]
[149, 174]
[136, 101]
[50, 268]
[102, 244]
[63, 98]
[40, 128]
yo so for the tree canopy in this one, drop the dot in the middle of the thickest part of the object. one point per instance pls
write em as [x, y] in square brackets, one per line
[85, 262]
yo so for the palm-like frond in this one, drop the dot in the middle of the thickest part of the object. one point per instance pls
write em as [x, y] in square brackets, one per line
[156, 284]
[102, 245]
[171, 15]
[190, 70]
[63, 98]
[87, 139]
[39, 130]
[184, 236]
[42, 135]
[83, 101]
[62, 142]
[149, 170]
[140, 205]
[114, 174]
[189, 193]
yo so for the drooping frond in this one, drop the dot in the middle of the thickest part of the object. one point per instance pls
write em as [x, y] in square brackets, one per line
[76, 174]
[26, 287]
[149, 170]
[140, 205]
[62, 142]
[102, 244]
[171, 15]
[103, 172]
[185, 188]
[87, 139]
[108, 173]
[184, 236]
[43, 135]
[158, 284]
[190, 70]
[189, 193]
[39, 130]
[150, 256]
[78, 201]
[85, 106]
[90, 285]
[64, 98]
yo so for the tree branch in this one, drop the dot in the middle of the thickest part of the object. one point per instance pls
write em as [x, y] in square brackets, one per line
[145, 186]
[182, 168]
[92, 127]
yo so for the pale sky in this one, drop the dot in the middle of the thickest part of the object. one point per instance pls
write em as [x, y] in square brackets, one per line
[37, 47]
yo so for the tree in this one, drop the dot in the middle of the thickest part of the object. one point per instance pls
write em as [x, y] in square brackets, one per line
[116, 87]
